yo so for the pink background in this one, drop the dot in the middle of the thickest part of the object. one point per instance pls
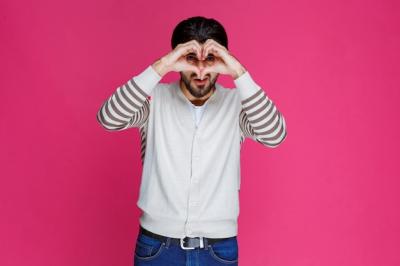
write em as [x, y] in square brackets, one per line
[329, 195]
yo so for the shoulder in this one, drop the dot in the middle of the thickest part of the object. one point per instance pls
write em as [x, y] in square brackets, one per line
[230, 97]
[162, 90]
[228, 93]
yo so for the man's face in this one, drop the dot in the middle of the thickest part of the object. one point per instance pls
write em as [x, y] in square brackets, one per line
[198, 88]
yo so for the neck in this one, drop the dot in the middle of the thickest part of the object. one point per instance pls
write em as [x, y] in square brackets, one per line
[191, 98]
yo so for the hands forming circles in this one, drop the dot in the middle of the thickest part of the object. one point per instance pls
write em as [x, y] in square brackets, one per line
[203, 59]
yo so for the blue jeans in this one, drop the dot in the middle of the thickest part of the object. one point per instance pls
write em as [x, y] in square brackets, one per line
[150, 251]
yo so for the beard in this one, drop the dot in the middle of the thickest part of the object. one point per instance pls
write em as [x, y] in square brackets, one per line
[198, 91]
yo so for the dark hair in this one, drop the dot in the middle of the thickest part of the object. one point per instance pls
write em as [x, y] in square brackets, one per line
[199, 28]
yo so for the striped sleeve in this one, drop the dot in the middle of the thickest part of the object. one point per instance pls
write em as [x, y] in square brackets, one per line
[129, 105]
[259, 118]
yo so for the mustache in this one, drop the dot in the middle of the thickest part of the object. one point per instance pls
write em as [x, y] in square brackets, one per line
[194, 75]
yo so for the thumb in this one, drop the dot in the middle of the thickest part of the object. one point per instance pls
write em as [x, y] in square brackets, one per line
[197, 71]
[194, 69]
[206, 71]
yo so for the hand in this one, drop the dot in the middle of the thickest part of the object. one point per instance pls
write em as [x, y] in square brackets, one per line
[224, 62]
[176, 61]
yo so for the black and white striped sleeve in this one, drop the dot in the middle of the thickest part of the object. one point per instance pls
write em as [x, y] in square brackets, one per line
[129, 105]
[259, 118]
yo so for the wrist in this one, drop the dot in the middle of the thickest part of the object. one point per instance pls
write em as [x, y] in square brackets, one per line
[160, 66]
[238, 72]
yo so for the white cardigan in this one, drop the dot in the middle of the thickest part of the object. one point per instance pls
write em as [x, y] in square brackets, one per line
[191, 174]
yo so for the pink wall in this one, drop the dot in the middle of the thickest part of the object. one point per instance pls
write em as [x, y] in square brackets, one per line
[329, 195]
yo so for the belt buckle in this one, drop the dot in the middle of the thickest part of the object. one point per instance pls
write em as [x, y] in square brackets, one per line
[201, 239]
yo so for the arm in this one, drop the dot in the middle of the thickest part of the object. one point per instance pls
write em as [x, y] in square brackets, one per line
[259, 118]
[129, 105]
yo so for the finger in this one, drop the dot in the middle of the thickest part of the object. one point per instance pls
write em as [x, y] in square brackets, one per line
[207, 70]
[186, 66]
[205, 45]
[218, 52]
[220, 49]
[196, 47]
[208, 43]
[219, 45]
[183, 49]
[193, 69]
[189, 43]
[207, 49]
[192, 50]
[210, 50]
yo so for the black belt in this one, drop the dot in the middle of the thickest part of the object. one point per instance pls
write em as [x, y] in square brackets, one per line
[185, 243]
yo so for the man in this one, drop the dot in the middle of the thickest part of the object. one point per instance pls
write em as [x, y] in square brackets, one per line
[191, 134]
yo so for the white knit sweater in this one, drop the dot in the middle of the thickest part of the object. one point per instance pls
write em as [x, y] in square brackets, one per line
[191, 174]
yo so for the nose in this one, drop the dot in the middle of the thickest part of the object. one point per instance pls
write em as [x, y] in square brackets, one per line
[201, 64]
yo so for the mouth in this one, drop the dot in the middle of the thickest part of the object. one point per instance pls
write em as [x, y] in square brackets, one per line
[201, 82]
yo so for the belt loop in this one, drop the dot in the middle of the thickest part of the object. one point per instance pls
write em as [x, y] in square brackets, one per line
[205, 243]
[168, 242]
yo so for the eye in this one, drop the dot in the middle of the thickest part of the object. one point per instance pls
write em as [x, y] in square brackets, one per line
[210, 58]
[191, 57]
